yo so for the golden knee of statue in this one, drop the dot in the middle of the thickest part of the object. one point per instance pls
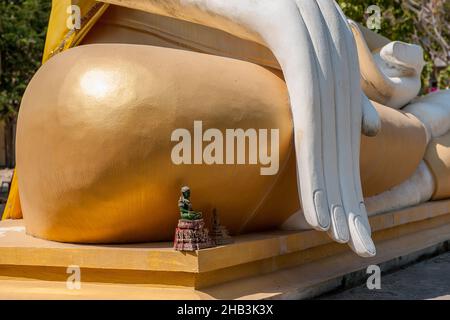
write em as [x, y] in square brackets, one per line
[102, 147]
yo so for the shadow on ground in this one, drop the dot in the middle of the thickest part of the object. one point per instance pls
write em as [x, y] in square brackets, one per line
[423, 281]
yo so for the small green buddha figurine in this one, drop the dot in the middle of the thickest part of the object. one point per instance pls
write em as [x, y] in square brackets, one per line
[185, 206]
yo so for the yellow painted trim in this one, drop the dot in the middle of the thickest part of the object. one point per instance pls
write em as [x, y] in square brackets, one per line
[89, 24]
[34, 268]
[59, 37]
[157, 264]
[13, 209]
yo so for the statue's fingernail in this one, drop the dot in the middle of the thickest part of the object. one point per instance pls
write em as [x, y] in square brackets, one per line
[320, 203]
[340, 224]
[364, 236]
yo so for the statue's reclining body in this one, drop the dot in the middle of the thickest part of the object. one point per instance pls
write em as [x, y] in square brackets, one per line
[94, 151]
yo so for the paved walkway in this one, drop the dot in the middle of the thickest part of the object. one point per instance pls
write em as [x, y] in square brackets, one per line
[423, 281]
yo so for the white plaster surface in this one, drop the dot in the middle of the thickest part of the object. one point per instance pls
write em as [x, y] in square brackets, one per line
[391, 74]
[416, 190]
[433, 110]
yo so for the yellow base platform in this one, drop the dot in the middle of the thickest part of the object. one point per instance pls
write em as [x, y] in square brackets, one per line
[274, 265]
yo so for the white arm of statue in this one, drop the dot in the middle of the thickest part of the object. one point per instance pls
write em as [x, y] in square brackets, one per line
[433, 110]
[392, 75]
[317, 53]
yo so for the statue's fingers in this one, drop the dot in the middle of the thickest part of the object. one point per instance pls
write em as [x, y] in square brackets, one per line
[371, 121]
[342, 65]
[295, 53]
[356, 96]
[360, 233]
[320, 38]
[361, 241]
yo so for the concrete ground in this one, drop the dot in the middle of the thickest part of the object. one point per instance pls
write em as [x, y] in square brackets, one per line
[428, 280]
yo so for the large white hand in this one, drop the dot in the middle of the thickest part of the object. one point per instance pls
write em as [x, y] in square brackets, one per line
[317, 53]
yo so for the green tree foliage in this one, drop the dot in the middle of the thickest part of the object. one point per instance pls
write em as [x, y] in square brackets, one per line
[23, 25]
[424, 22]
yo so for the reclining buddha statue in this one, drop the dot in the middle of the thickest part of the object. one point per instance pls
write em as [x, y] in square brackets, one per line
[102, 119]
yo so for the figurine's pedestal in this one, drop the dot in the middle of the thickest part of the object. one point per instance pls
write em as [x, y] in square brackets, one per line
[274, 265]
[191, 235]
